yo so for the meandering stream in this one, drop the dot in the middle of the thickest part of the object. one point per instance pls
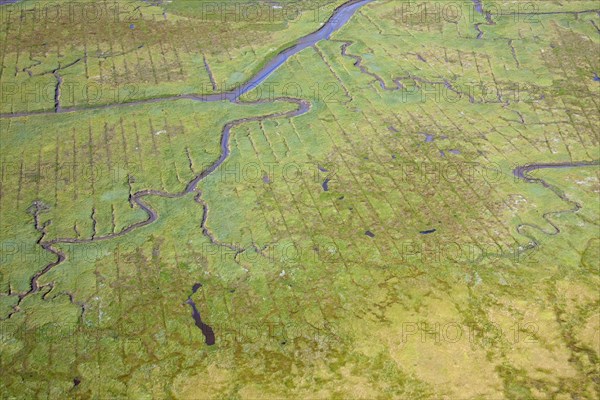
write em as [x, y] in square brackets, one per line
[339, 18]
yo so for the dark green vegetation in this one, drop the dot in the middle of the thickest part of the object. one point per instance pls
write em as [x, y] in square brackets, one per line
[415, 124]
[110, 52]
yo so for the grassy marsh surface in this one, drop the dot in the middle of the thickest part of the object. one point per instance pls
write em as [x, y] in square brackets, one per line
[377, 246]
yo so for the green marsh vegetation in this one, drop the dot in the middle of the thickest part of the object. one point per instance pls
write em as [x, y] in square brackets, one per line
[311, 306]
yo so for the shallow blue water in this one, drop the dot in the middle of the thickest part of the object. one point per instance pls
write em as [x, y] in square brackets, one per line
[478, 6]
[340, 17]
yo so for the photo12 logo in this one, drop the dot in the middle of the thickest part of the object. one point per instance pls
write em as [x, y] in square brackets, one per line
[455, 332]
[20, 252]
[285, 254]
[477, 92]
[452, 251]
[52, 331]
[266, 11]
[64, 332]
[236, 11]
[66, 173]
[70, 93]
[276, 172]
[282, 333]
[252, 91]
[55, 11]
[435, 12]
[424, 12]
[435, 172]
